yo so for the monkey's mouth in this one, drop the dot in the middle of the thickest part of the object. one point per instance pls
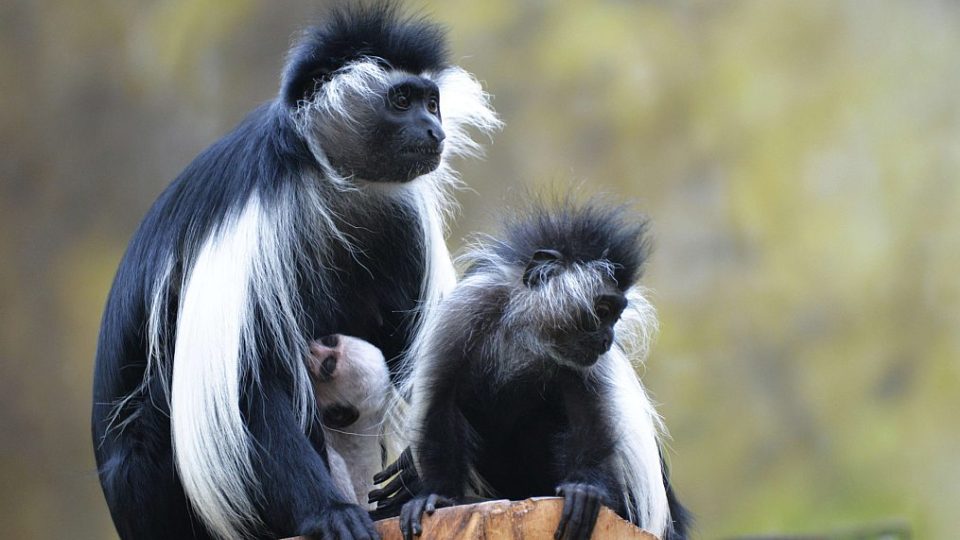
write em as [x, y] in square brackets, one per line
[586, 354]
[588, 359]
[424, 151]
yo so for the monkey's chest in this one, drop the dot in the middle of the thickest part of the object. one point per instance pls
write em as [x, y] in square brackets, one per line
[373, 291]
[520, 445]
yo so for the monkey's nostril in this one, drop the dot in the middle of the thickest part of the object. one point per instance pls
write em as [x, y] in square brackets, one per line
[329, 365]
[330, 341]
[436, 135]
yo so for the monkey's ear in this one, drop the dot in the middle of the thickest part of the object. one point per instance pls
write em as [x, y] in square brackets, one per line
[310, 84]
[543, 265]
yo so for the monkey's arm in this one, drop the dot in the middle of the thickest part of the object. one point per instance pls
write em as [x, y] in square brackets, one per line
[446, 445]
[296, 488]
[588, 482]
[444, 461]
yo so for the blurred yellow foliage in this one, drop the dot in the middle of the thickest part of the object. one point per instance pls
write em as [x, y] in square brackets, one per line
[799, 161]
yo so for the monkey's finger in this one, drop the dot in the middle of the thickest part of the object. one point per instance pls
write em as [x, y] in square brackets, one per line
[570, 501]
[410, 518]
[395, 467]
[358, 529]
[371, 529]
[398, 499]
[386, 473]
[390, 504]
[418, 521]
[435, 501]
[394, 486]
[390, 507]
[379, 495]
[591, 514]
[564, 515]
[576, 529]
[340, 527]
[405, 525]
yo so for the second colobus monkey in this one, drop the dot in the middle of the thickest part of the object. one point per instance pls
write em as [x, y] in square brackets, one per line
[322, 212]
[526, 383]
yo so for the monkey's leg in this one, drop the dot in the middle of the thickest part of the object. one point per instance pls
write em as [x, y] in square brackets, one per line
[140, 483]
[587, 448]
[299, 496]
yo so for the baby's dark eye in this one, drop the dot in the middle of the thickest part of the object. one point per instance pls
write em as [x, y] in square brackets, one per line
[433, 106]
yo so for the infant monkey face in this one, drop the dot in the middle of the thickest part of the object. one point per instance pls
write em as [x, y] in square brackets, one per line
[324, 357]
[350, 379]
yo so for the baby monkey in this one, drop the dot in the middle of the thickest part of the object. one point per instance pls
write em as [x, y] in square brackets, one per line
[352, 385]
[524, 386]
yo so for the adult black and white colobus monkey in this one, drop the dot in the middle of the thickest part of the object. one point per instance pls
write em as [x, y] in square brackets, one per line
[321, 213]
[525, 385]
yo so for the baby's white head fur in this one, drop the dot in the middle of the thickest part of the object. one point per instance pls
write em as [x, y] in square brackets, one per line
[349, 371]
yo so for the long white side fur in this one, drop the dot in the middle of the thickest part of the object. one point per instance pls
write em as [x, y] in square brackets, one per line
[211, 442]
[248, 261]
[634, 417]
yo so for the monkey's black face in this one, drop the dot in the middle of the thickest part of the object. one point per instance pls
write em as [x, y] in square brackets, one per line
[403, 138]
[594, 334]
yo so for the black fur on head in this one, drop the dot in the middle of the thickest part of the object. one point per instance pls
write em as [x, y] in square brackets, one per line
[542, 237]
[375, 30]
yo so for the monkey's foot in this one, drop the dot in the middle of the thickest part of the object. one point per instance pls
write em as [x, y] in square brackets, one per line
[344, 521]
[581, 506]
[412, 513]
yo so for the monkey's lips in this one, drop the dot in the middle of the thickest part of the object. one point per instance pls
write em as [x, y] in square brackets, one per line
[588, 359]
[420, 160]
[424, 151]
[586, 354]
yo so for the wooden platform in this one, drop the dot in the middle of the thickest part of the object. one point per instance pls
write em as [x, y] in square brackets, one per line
[531, 519]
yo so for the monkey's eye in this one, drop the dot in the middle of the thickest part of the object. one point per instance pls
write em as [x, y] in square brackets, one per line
[400, 101]
[603, 310]
[433, 106]
[609, 307]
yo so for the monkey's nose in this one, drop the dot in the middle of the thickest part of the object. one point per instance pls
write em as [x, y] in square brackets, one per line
[606, 341]
[436, 135]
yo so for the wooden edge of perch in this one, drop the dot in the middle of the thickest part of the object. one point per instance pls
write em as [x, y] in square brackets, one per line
[531, 519]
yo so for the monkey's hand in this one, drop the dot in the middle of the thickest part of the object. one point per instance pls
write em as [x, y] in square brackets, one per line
[412, 513]
[391, 497]
[343, 521]
[581, 506]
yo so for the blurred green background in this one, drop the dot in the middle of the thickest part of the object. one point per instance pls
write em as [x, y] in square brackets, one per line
[799, 161]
